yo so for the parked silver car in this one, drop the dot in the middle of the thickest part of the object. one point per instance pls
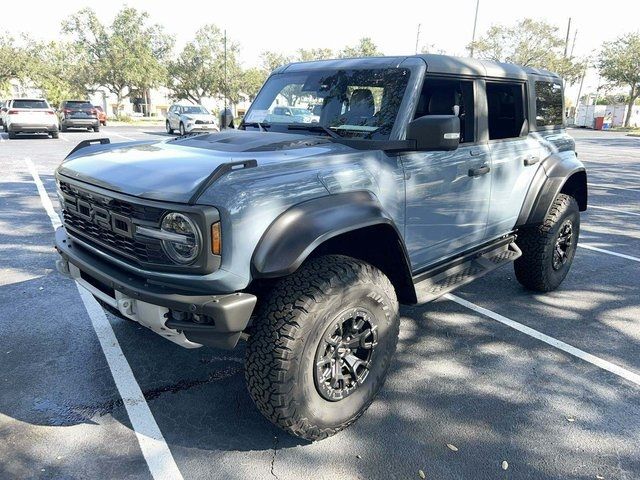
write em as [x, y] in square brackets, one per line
[190, 118]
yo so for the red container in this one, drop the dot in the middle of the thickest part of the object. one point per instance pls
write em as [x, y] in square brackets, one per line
[598, 122]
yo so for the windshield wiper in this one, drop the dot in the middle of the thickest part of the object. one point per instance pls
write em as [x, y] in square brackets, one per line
[262, 126]
[314, 128]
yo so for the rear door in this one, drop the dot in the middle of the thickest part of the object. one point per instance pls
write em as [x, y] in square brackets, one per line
[447, 193]
[515, 154]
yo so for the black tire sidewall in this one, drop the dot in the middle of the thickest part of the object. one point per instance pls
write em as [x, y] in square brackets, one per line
[569, 212]
[324, 413]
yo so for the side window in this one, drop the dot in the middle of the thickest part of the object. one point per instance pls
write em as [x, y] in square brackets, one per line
[449, 97]
[548, 104]
[505, 102]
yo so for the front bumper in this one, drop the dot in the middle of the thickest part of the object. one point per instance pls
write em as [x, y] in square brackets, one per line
[204, 127]
[188, 319]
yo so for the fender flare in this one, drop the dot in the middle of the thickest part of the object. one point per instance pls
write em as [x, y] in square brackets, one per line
[300, 229]
[547, 183]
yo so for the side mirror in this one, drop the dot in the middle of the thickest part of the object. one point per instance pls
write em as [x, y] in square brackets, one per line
[435, 132]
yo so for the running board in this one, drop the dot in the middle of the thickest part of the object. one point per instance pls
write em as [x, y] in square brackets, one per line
[442, 279]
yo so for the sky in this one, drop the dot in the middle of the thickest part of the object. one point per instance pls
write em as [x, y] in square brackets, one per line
[285, 26]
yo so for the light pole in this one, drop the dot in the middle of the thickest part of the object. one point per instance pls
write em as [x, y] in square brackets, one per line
[418, 38]
[475, 22]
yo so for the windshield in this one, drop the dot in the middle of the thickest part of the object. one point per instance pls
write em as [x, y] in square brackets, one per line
[30, 104]
[195, 110]
[361, 104]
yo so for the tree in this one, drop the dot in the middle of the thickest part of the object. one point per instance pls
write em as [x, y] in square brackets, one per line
[364, 48]
[273, 60]
[619, 64]
[530, 43]
[14, 61]
[308, 55]
[61, 71]
[126, 57]
[199, 70]
[252, 80]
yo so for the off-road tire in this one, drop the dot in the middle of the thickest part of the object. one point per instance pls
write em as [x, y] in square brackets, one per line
[12, 135]
[281, 353]
[55, 135]
[534, 269]
[96, 129]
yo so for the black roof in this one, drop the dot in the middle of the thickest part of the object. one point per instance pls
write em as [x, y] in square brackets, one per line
[435, 64]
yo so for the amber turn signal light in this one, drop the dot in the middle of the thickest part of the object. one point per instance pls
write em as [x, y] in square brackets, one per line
[216, 239]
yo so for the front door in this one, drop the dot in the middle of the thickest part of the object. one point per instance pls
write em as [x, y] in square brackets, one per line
[447, 193]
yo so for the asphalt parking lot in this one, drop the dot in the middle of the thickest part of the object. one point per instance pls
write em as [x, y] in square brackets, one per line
[547, 383]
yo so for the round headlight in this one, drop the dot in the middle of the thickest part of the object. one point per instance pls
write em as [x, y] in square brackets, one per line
[185, 246]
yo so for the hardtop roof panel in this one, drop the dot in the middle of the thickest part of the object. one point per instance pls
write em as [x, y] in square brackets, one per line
[439, 64]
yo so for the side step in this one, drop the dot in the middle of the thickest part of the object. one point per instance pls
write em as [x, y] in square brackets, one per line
[442, 279]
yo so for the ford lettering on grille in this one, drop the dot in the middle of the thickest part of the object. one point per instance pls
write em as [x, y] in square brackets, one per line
[100, 216]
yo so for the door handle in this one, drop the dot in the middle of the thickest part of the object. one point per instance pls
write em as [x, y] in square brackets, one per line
[532, 160]
[475, 152]
[476, 172]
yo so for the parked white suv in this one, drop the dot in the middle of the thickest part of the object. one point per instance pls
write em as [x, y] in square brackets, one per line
[30, 115]
[190, 118]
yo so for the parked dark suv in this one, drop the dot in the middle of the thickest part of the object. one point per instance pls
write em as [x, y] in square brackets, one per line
[78, 114]
[421, 174]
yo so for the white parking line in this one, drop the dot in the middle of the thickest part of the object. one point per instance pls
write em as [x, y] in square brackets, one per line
[632, 189]
[152, 443]
[63, 137]
[565, 347]
[617, 210]
[121, 136]
[608, 252]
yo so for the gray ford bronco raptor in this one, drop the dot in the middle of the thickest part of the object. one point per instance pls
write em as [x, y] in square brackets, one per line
[414, 176]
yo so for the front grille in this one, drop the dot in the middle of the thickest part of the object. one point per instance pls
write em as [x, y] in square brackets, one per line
[147, 252]
[92, 229]
[127, 209]
[204, 122]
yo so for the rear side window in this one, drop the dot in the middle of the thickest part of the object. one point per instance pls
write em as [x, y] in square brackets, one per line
[75, 104]
[548, 104]
[29, 104]
[505, 102]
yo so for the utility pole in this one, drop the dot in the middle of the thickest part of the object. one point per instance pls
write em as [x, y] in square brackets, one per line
[475, 22]
[573, 44]
[566, 42]
[584, 73]
[418, 38]
[224, 112]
